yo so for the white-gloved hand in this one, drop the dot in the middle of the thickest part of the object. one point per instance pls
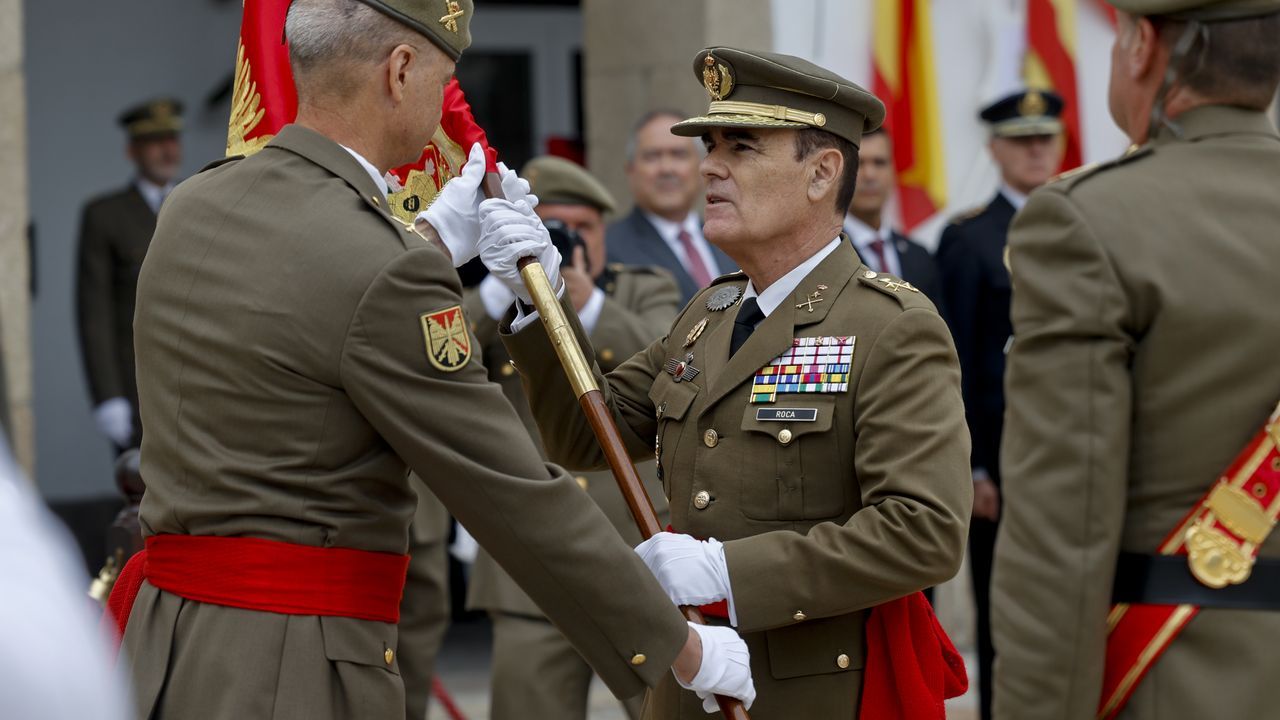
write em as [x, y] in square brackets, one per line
[510, 231]
[692, 572]
[115, 420]
[725, 669]
[516, 188]
[455, 212]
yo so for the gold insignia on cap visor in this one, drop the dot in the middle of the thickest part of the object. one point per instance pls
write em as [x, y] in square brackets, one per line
[777, 112]
[450, 21]
[716, 78]
[1032, 104]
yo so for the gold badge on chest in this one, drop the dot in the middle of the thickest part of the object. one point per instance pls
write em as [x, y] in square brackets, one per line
[695, 333]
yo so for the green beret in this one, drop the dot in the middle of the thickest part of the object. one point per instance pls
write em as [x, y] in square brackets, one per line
[447, 23]
[770, 90]
[160, 116]
[1203, 10]
[558, 181]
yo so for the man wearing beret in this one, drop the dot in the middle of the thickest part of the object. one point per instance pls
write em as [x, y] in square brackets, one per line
[536, 672]
[805, 413]
[115, 231]
[300, 351]
[1135, 572]
[1026, 144]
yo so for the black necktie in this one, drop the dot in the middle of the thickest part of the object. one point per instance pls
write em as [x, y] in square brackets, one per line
[749, 316]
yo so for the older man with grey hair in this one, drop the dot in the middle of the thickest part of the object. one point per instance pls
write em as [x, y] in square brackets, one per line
[300, 350]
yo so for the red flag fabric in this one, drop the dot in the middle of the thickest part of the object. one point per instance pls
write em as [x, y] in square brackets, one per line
[266, 100]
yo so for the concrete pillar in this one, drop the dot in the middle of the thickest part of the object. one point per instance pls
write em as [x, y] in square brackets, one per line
[639, 56]
[15, 298]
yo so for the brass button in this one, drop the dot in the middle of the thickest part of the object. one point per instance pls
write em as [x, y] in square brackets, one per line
[784, 436]
[376, 200]
[389, 656]
[507, 371]
[799, 616]
[638, 659]
[842, 661]
[582, 482]
[702, 499]
[606, 354]
[711, 438]
[870, 274]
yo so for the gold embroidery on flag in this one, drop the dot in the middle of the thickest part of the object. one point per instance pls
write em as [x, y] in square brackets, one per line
[246, 110]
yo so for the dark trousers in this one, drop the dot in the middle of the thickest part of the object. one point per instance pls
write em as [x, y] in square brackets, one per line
[982, 544]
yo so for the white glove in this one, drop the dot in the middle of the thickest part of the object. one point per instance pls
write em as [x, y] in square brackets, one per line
[510, 231]
[515, 187]
[725, 669]
[692, 572]
[454, 214]
[115, 420]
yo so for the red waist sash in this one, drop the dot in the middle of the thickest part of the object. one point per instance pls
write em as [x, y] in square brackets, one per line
[265, 575]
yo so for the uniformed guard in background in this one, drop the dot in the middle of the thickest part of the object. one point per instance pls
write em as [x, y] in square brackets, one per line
[300, 350]
[536, 672]
[115, 231]
[1026, 144]
[1139, 482]
[805, 414]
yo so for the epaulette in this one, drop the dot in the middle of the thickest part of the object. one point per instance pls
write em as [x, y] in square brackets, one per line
[969, 214]
[729, 277]
[1069, 179]
[222, 161]
[904, 292]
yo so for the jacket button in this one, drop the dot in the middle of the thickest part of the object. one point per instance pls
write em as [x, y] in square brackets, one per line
[389, 656]
[702, 499]
[799, 616]
[638, 659]
[711, 438]
[582, 482]
[784, 436]
[376, 200]
[870, 274]
[507, 370]
[606, 355]
[842, 661]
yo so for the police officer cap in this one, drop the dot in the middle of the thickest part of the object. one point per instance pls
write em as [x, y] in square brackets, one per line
[156, 117]
[446, 23]
[557, 181]
[751, 89]
[1029, 112]
[1203, 10]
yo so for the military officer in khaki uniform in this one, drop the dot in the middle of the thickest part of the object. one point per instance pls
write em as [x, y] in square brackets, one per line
[115, 231]
[536, 672]
[1143, 361]
[299, 351]
[806, 413]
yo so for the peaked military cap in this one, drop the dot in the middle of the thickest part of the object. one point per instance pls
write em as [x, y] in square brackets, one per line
[558, 181]
[769, 90]
[1030, 112]
[447, 23]
[1202, 10]
[159, 116]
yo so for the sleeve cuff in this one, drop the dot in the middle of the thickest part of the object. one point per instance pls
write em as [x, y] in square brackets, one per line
[589, 316]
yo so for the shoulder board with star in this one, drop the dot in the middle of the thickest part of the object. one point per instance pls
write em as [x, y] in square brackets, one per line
[729, 277]
[222, 161]
[905, 293]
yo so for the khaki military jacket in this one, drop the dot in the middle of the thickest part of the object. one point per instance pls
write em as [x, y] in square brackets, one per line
[640, 303]
[821, 519]
[287, 388]
[115, 232]
[1143, 361]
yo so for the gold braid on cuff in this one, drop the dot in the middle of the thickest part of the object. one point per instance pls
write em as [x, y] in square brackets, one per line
[777, 112]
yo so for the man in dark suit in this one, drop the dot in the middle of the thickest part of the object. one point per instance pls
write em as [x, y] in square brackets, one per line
[879, 246]
[663, 230]
[1026, 143]
[115, 232]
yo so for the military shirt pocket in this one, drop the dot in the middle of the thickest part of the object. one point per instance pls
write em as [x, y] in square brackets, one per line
[791, 460]
[362, 642]
[671, 402]
[818, 647]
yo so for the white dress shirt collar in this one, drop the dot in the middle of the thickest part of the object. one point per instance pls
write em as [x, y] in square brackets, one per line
[863, 234]
[670, 233]
[780, 290]
[378, 180]
[1015, 198]
[152, 193]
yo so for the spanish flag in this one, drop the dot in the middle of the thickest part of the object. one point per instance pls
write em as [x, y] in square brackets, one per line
[904, 78]
[1051, 63]
[264, 100]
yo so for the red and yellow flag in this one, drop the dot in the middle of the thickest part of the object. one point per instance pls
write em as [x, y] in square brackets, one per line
[265, 100]
[1051, 63]
[905, 79]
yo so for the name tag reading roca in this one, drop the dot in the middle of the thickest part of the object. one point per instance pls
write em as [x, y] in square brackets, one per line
[787, 414]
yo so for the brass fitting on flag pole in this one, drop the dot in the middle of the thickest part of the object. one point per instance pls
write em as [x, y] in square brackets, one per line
[553, 319]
